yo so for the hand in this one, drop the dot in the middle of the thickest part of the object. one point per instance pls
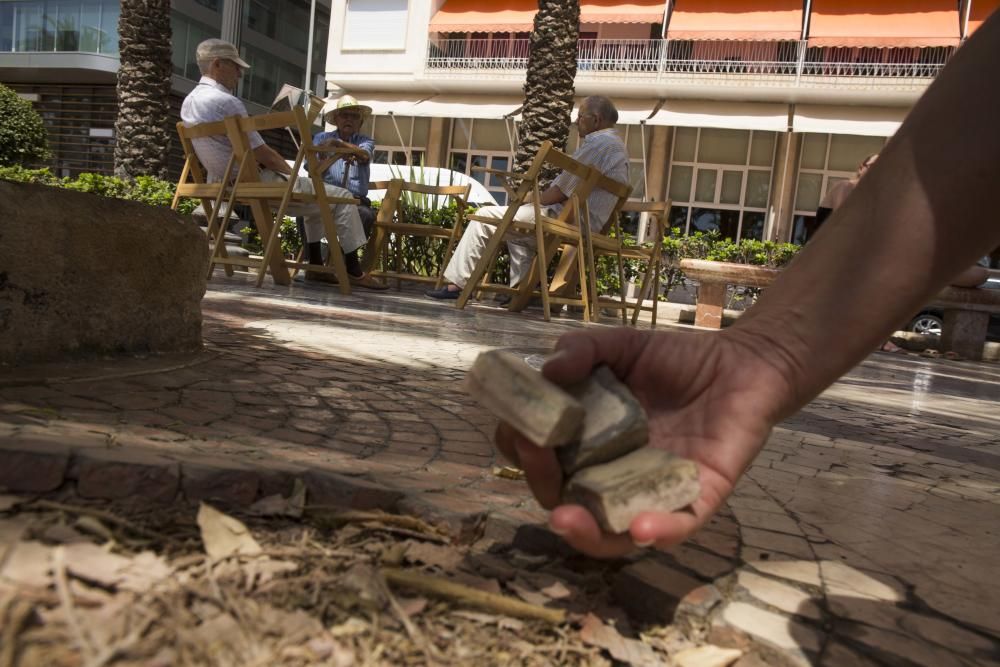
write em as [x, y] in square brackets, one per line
[710, 397]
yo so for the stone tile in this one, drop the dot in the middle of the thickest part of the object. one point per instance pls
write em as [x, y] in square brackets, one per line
[117, 474]
[651, 590]
[805, 572]
[337, 491]
[32, 464]
[219, 480]
[782, 596]
[770, 628]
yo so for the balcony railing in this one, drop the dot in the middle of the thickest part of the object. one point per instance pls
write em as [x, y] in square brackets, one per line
[662, 58]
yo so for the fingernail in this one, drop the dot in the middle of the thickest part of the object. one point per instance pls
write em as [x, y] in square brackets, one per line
[643, 545]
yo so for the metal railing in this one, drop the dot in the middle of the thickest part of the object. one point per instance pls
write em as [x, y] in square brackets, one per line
[661, 58]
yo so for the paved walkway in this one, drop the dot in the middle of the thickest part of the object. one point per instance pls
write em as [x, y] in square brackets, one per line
[867, 532]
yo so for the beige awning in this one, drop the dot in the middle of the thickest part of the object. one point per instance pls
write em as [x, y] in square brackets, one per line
[865, 121]
[729, 115]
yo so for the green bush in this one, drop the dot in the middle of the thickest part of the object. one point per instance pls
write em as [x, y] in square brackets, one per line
[699, 245]
[145, 189]
[22, 134]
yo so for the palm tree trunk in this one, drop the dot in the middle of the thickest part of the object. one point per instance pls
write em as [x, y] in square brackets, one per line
[548, 89]
[142, 129]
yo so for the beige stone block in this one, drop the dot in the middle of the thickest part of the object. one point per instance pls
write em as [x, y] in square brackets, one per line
[516, 393]
[614, 423]
[647, 480]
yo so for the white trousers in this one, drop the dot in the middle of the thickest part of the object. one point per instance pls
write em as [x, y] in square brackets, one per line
[470, 248]
[350, 232]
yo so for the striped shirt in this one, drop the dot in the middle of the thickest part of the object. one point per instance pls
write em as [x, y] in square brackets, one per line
[360, 173]
[605, 151]
[209, 102]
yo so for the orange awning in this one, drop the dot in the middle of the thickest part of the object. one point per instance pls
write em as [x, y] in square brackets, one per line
[519, 15]
[979, 12]
[610, 11]
[736, 19]
[886, 23]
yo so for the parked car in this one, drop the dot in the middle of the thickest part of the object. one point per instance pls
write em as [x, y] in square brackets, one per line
[930, 319]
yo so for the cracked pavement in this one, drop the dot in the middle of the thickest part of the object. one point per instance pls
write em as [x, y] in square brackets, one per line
[865, 533]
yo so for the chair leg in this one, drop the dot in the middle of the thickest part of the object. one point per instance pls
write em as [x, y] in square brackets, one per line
[486, 260]
[621, 285]
[540, 255]
[583, 278]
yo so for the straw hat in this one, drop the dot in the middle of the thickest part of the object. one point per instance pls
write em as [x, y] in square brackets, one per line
[345, 103]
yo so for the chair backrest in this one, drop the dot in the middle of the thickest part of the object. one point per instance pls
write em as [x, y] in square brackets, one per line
[621, 191]
[397, 191]
[658, 211]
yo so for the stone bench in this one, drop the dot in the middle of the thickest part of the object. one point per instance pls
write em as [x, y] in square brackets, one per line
[966, 310]
[966, 318]
[713, 280]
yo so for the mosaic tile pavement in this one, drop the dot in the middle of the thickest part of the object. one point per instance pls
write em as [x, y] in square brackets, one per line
[866, 532]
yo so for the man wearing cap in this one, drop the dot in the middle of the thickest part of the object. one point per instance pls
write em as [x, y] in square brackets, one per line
[352, 172]
[213, 100]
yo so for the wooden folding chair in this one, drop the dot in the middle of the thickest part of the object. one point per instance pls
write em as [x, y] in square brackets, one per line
[649, 253]
[262, 195]
[193, 183]
[577, 262]
[393, 221]
[247, 188]
[549, 233]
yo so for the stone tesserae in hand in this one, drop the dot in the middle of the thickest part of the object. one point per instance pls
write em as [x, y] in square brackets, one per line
[599, 431]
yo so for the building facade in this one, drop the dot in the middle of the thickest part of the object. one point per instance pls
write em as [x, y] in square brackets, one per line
[62, 55]
[742, 112]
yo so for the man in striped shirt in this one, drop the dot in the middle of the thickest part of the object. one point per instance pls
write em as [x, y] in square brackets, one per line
[600, 147]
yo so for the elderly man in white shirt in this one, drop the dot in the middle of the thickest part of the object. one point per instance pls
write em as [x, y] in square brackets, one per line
[213, 100]
[600, 147]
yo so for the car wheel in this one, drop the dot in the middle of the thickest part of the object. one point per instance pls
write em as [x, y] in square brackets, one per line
[925, 323]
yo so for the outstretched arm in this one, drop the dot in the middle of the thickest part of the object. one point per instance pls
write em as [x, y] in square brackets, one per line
[919, 217]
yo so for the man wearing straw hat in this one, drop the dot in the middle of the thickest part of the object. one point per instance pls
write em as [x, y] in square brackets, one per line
[214, 99]
[353, 171]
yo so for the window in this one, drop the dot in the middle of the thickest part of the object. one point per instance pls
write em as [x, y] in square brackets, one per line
[187, 34]
[262, 18]
[825, 160]
[375, 25]
[6, 27]
[720, 180]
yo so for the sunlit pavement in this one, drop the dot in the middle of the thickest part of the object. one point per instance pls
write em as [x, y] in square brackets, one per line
[865, 533]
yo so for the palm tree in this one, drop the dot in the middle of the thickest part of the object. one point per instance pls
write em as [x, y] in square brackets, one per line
[548, 90]
[142, 128]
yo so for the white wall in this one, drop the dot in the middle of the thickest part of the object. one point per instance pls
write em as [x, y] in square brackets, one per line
[350, 63]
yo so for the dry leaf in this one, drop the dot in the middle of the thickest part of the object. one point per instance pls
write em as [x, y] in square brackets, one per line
[223, 535]
[630, 651]
[11, 531]
[707, 656]
[435, 555]
[277, 505]
[527, 593]
[352, 627]
[412, 606]
[29, 564]
[557, 591]
[502, 622]
[92, 563]
[144, 571]
[93, 526]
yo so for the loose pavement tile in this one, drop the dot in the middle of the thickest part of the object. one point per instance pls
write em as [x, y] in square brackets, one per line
[771, 628]
[784, 597]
